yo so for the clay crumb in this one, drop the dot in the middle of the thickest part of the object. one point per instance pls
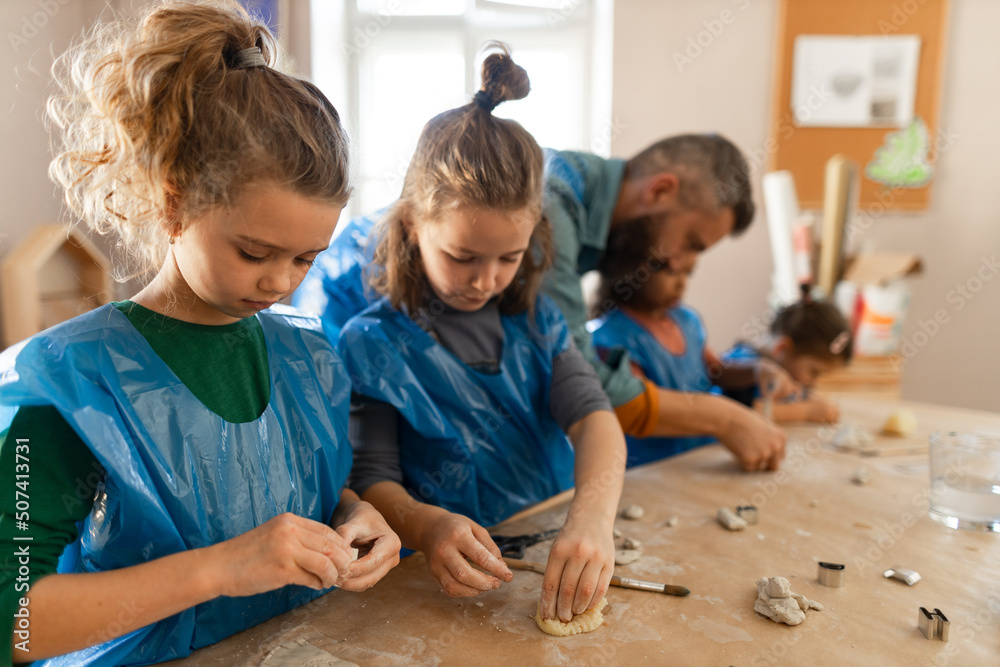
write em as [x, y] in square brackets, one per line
[632, 512]
[861, 476]
[626, 556]
[729, 519]
[631, 543]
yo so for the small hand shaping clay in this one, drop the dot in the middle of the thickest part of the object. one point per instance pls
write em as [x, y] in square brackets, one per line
[588, 621]
[626, 556]
[776, 600]
[900, 423]
[730, 520]
[633, 512]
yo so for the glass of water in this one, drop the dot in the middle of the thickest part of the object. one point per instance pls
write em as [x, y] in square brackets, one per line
[965, 480]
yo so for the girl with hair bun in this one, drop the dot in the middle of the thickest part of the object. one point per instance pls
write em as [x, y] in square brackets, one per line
[467, 380]
[807, 339]
[188, 447]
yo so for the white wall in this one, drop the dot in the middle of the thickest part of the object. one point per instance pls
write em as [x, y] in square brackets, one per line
[727, 89]
[32, 31]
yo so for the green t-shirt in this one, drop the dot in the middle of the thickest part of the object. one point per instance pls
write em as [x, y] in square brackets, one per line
[225, 367]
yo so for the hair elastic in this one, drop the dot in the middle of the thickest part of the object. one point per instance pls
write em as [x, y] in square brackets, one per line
[485, 101]
[249, 58]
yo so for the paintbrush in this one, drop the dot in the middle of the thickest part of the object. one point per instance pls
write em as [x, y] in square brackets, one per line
[623, 582]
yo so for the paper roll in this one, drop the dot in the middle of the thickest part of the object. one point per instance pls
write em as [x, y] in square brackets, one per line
[782, 204]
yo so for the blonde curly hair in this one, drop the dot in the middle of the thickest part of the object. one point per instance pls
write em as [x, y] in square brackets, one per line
[159, 124]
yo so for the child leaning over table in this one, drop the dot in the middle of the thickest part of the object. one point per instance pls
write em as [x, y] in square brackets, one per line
[807, 339]
[640, 309]
[184, 451]
[468, 379]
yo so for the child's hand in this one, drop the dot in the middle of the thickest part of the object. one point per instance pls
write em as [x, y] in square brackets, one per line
[450, 541]
[579, 569]
[774, 382]
[821, 411]
[378, 547]
[288, 549]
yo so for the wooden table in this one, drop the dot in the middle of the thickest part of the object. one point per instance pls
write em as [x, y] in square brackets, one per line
[809, 511]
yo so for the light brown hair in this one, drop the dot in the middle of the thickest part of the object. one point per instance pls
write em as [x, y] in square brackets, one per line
[159, 125]
[468, 157]
[712, 171]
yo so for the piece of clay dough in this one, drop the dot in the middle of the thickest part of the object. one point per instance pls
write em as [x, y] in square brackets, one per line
[300, 653]
[354, 554]
[626, 556]
[900, 423]
[776, 600]
[861, 476]
[617, 534]
[672, 521]
[588, 621]
[631, 543]
[729, 519]
[852, 436]
[633, 512]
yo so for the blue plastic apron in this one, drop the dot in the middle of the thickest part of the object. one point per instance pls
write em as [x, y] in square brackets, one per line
[178, 476]
[482, 445]
[336, 287]
[685, 372]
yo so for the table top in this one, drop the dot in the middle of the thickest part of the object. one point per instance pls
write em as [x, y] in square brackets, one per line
[809, 511]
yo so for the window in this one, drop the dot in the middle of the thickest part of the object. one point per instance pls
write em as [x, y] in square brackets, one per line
[391, 65]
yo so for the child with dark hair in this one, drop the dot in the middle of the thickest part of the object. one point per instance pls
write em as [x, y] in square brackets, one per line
[639, 310]
[807, 339]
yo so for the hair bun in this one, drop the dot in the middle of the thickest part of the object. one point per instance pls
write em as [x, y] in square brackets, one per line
[503, 79]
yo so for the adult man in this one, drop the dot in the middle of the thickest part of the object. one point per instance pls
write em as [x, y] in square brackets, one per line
[697, 188]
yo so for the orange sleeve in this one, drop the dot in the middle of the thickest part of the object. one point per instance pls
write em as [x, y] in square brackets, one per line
[639, 416]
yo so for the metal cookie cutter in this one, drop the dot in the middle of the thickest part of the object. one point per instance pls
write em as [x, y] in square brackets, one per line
[831, 574]
[748, 513]
[933, 626]
[909, 577]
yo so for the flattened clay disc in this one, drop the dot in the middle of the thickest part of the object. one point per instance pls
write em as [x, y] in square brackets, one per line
[588, 621]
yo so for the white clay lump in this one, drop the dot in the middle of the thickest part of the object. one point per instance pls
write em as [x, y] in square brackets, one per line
[900, 423]
[588, 621]
[633, 512]
[776, 601]
[730, 520]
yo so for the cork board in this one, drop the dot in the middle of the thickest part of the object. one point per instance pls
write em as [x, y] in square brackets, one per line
[805, 150]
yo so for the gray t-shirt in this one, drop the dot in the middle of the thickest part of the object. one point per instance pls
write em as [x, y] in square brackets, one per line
[477, 339]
